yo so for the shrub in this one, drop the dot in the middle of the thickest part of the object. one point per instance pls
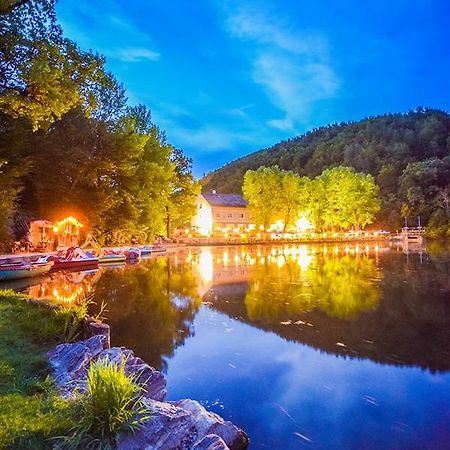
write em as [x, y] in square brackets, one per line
[112, 404]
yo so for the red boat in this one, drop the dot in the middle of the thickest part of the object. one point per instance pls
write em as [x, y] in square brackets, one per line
[72, 258]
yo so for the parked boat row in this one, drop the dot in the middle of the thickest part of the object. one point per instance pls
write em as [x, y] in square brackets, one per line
[74, 258]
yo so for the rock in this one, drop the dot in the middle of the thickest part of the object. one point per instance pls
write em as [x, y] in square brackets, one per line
[70, 362]
[93, 328]
[210, 423]
[211, 442]
[172, 427]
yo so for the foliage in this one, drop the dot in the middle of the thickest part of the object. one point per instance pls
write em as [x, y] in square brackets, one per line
[70, 144]
[70, 317]
[339, 197]
[349, 199]
[112, 404]
[381, 146]
[42, 74]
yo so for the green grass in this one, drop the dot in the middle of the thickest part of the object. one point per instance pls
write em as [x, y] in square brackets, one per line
[112, 404]
[31, 411]
[32, 414]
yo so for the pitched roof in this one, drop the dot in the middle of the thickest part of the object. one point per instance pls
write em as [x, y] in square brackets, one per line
[235, 200]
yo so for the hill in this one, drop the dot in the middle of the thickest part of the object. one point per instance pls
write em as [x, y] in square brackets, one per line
[408, 155]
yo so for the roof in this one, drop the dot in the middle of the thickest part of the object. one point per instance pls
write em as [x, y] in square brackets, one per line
[234, 200]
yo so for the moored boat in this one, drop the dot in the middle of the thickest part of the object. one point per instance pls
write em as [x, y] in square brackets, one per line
[72, 258]
[111, 256]
[15, 271]
[133, 254]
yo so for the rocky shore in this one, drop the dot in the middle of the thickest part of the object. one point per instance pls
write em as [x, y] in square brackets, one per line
[179, 425]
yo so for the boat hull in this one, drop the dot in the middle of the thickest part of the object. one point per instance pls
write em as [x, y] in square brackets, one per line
[75, 264]
[27, 271]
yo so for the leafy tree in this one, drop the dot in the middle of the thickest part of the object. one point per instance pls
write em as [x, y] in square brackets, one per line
[183, 192]
[42, 74]
[261, 189]
[351, 199]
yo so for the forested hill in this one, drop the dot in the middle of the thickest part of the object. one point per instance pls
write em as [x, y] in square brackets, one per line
[402, 152]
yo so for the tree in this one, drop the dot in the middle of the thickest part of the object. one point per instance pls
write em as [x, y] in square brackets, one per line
[42, 74]
[261, 189]
[183, 192]
[350, 198]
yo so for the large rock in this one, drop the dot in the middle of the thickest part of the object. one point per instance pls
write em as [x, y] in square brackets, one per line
[172, 427]
[70, 364]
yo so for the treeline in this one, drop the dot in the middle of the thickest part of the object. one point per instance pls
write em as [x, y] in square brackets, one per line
[407, 154]
[70, 143]
[339, 198]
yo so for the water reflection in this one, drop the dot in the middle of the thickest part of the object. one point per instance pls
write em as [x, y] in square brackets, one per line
[358, 301]
[150, 306]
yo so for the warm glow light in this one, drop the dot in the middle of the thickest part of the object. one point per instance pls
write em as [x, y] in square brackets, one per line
[304, 259]
[204, 222]
[303, 224]
[206, 266]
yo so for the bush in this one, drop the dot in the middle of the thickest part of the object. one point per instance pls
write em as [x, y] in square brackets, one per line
[112, 404]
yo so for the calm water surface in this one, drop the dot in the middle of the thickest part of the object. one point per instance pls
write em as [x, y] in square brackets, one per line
[327, 347]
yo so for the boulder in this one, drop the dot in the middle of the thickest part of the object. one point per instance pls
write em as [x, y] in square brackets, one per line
[211, 442]
[172, 427]
[70, 362]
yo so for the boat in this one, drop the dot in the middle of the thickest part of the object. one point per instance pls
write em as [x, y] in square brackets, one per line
[111, 257]
[150, 249]
[72, 258]
[19, 270]
[133, 254]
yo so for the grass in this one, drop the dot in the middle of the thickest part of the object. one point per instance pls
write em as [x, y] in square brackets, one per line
[32, 414]
[112, 404]
[30, 409]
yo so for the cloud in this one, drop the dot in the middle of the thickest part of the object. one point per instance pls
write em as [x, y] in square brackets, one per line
[293, 66]
[134, 54]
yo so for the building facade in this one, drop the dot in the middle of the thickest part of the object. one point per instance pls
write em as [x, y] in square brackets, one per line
[219, 214]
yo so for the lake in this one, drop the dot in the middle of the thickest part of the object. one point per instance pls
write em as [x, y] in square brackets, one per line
[330, 347]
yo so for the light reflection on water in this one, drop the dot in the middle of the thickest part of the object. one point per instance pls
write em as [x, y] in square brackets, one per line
[303, 346]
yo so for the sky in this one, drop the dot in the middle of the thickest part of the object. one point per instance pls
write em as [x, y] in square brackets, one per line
[225, 78]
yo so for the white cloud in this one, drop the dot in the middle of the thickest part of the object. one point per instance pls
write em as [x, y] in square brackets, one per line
[134, 54]
[293, 66]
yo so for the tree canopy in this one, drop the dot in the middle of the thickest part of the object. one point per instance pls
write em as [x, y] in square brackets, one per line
[71, 144]
[338, 198]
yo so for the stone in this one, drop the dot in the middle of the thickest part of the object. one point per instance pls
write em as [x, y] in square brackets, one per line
[210, 423]
[93, 328]
[70, 362]
[211, 442]
[172, 427]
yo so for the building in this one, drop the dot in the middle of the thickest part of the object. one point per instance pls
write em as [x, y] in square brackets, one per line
[45, 235]
[219, 214]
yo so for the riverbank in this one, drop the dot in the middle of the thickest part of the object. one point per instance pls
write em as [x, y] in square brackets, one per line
[42, 385]
[31, 411]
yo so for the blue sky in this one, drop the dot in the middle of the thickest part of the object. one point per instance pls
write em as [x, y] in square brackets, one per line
[224, 78]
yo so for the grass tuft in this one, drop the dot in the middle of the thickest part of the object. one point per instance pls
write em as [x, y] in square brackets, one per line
[112, 404]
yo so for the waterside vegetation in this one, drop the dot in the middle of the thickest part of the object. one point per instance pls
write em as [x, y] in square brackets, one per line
[32, 412]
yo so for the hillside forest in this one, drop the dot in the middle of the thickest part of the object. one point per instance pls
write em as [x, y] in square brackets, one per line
[408, 156]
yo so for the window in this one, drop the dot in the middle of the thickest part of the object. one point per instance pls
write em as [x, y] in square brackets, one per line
[242, 215]
[230, 215]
